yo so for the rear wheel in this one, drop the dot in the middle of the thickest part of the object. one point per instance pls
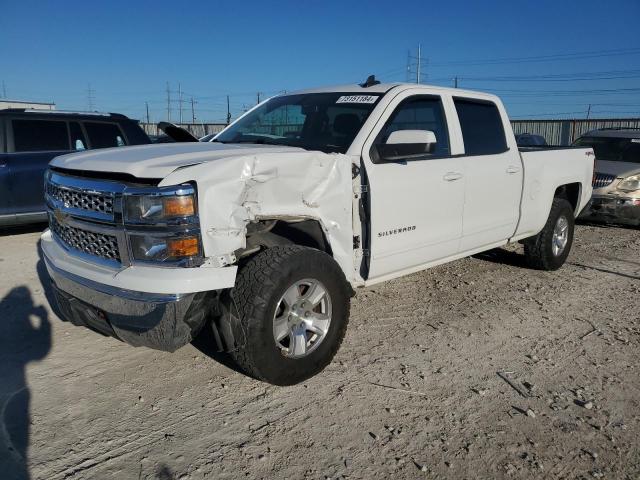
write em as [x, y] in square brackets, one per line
[293, 307]
[550, 248]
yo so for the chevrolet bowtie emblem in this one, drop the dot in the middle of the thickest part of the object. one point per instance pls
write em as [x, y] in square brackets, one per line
[59, 215]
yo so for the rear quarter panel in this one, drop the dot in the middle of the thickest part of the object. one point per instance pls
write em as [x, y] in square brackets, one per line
[544, 172]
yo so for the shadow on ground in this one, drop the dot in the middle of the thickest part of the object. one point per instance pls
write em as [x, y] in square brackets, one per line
[25, 336]
[22, 229]
[206, 344]
[504, 257]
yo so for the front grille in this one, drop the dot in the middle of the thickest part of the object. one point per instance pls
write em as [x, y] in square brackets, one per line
[92, 243]
[603, 180]
[72, 198]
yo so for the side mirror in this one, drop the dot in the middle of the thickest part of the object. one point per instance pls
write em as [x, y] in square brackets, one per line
[407, 144]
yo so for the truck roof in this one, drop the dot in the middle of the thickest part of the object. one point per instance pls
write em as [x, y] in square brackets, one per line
[385, 87]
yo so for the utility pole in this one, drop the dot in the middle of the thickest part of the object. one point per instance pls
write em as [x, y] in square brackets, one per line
[90, 98]
[455, 82]
[180, 100]
[258, 95]
[588, 111]
[228, 112]
[193, 112]
[408, 77]
[419, 63]
[146, 104]
[168, 103]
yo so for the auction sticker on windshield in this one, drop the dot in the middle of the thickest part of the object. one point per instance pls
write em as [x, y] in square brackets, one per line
[357, 99]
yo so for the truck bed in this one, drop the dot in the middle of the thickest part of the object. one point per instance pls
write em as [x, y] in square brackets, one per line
[546, 168]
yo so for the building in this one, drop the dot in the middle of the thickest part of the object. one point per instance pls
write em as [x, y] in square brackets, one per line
[5, 103]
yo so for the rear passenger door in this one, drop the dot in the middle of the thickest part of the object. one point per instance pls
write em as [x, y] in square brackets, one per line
[493, 175]
[32, 145]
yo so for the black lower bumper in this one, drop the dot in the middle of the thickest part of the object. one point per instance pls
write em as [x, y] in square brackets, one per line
[613, 210]
[163, 322]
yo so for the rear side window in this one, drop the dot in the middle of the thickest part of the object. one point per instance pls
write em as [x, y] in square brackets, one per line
[104, 135]
[482, 129]
[39, 135]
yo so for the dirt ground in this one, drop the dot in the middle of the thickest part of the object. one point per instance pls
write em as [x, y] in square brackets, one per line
[414, 392]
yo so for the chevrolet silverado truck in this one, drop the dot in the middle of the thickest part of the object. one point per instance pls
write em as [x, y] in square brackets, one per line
[264, 234]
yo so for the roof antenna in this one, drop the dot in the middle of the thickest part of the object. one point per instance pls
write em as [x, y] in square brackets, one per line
[370, 82]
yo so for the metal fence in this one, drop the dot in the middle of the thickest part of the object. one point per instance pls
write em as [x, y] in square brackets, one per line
[197, 129]
[564, 132]
[556, 132]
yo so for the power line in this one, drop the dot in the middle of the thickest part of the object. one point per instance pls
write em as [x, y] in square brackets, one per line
[563, 77]
[543, 58]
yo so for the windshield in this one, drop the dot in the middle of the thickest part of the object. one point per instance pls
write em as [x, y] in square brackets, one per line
[315, 121]
[612, 148]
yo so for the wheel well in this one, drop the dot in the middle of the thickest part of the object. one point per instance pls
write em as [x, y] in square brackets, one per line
[570, 192]
[268, 233]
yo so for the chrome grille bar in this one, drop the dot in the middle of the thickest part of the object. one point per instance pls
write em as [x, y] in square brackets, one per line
[101, 245]
[602, 180]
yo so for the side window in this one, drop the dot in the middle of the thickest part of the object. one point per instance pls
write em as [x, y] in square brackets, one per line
[421, 113]
[78, 142]
[481, 125]
[104, 135]
[39, 135]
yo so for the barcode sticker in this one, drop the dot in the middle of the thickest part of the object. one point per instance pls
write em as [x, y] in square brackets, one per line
[357, 99]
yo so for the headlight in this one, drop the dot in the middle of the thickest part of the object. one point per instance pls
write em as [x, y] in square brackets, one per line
[183, 249]
[162, 225]
[630, 184]
[165, 205]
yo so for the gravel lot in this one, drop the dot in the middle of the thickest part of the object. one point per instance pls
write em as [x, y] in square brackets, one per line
[413, 393]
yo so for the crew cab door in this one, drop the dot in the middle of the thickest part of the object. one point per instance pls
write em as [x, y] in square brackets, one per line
[494, 174]
[415, 204]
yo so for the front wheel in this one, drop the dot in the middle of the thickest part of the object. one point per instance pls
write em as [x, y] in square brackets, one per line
[293, 307]
[549, 249]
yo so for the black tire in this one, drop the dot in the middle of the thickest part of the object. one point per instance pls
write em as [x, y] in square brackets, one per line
[259, 287]
[538, 250]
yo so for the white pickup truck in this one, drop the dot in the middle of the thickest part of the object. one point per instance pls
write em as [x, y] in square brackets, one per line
[263, 234]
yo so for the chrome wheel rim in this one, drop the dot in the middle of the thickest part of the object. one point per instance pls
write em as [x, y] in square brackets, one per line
[302, 318]
[560, 236]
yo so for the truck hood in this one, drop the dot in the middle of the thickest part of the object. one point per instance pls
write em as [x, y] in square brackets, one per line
[619, 169]
[158, 161]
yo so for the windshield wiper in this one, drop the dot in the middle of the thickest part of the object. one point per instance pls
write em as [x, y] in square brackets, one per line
[259, 141]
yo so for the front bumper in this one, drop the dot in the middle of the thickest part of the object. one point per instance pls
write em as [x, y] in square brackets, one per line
[101, 299]
[163, 322]
[613, 210]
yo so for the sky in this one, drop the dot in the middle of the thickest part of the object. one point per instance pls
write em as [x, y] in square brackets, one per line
[546, 59]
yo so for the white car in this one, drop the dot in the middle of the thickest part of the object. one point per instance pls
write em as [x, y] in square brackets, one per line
[264, 234]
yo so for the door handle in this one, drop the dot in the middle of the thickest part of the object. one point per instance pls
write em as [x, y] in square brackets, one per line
[452, 176]
[513, 169]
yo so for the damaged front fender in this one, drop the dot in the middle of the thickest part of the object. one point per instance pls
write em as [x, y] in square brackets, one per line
[238, 190]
